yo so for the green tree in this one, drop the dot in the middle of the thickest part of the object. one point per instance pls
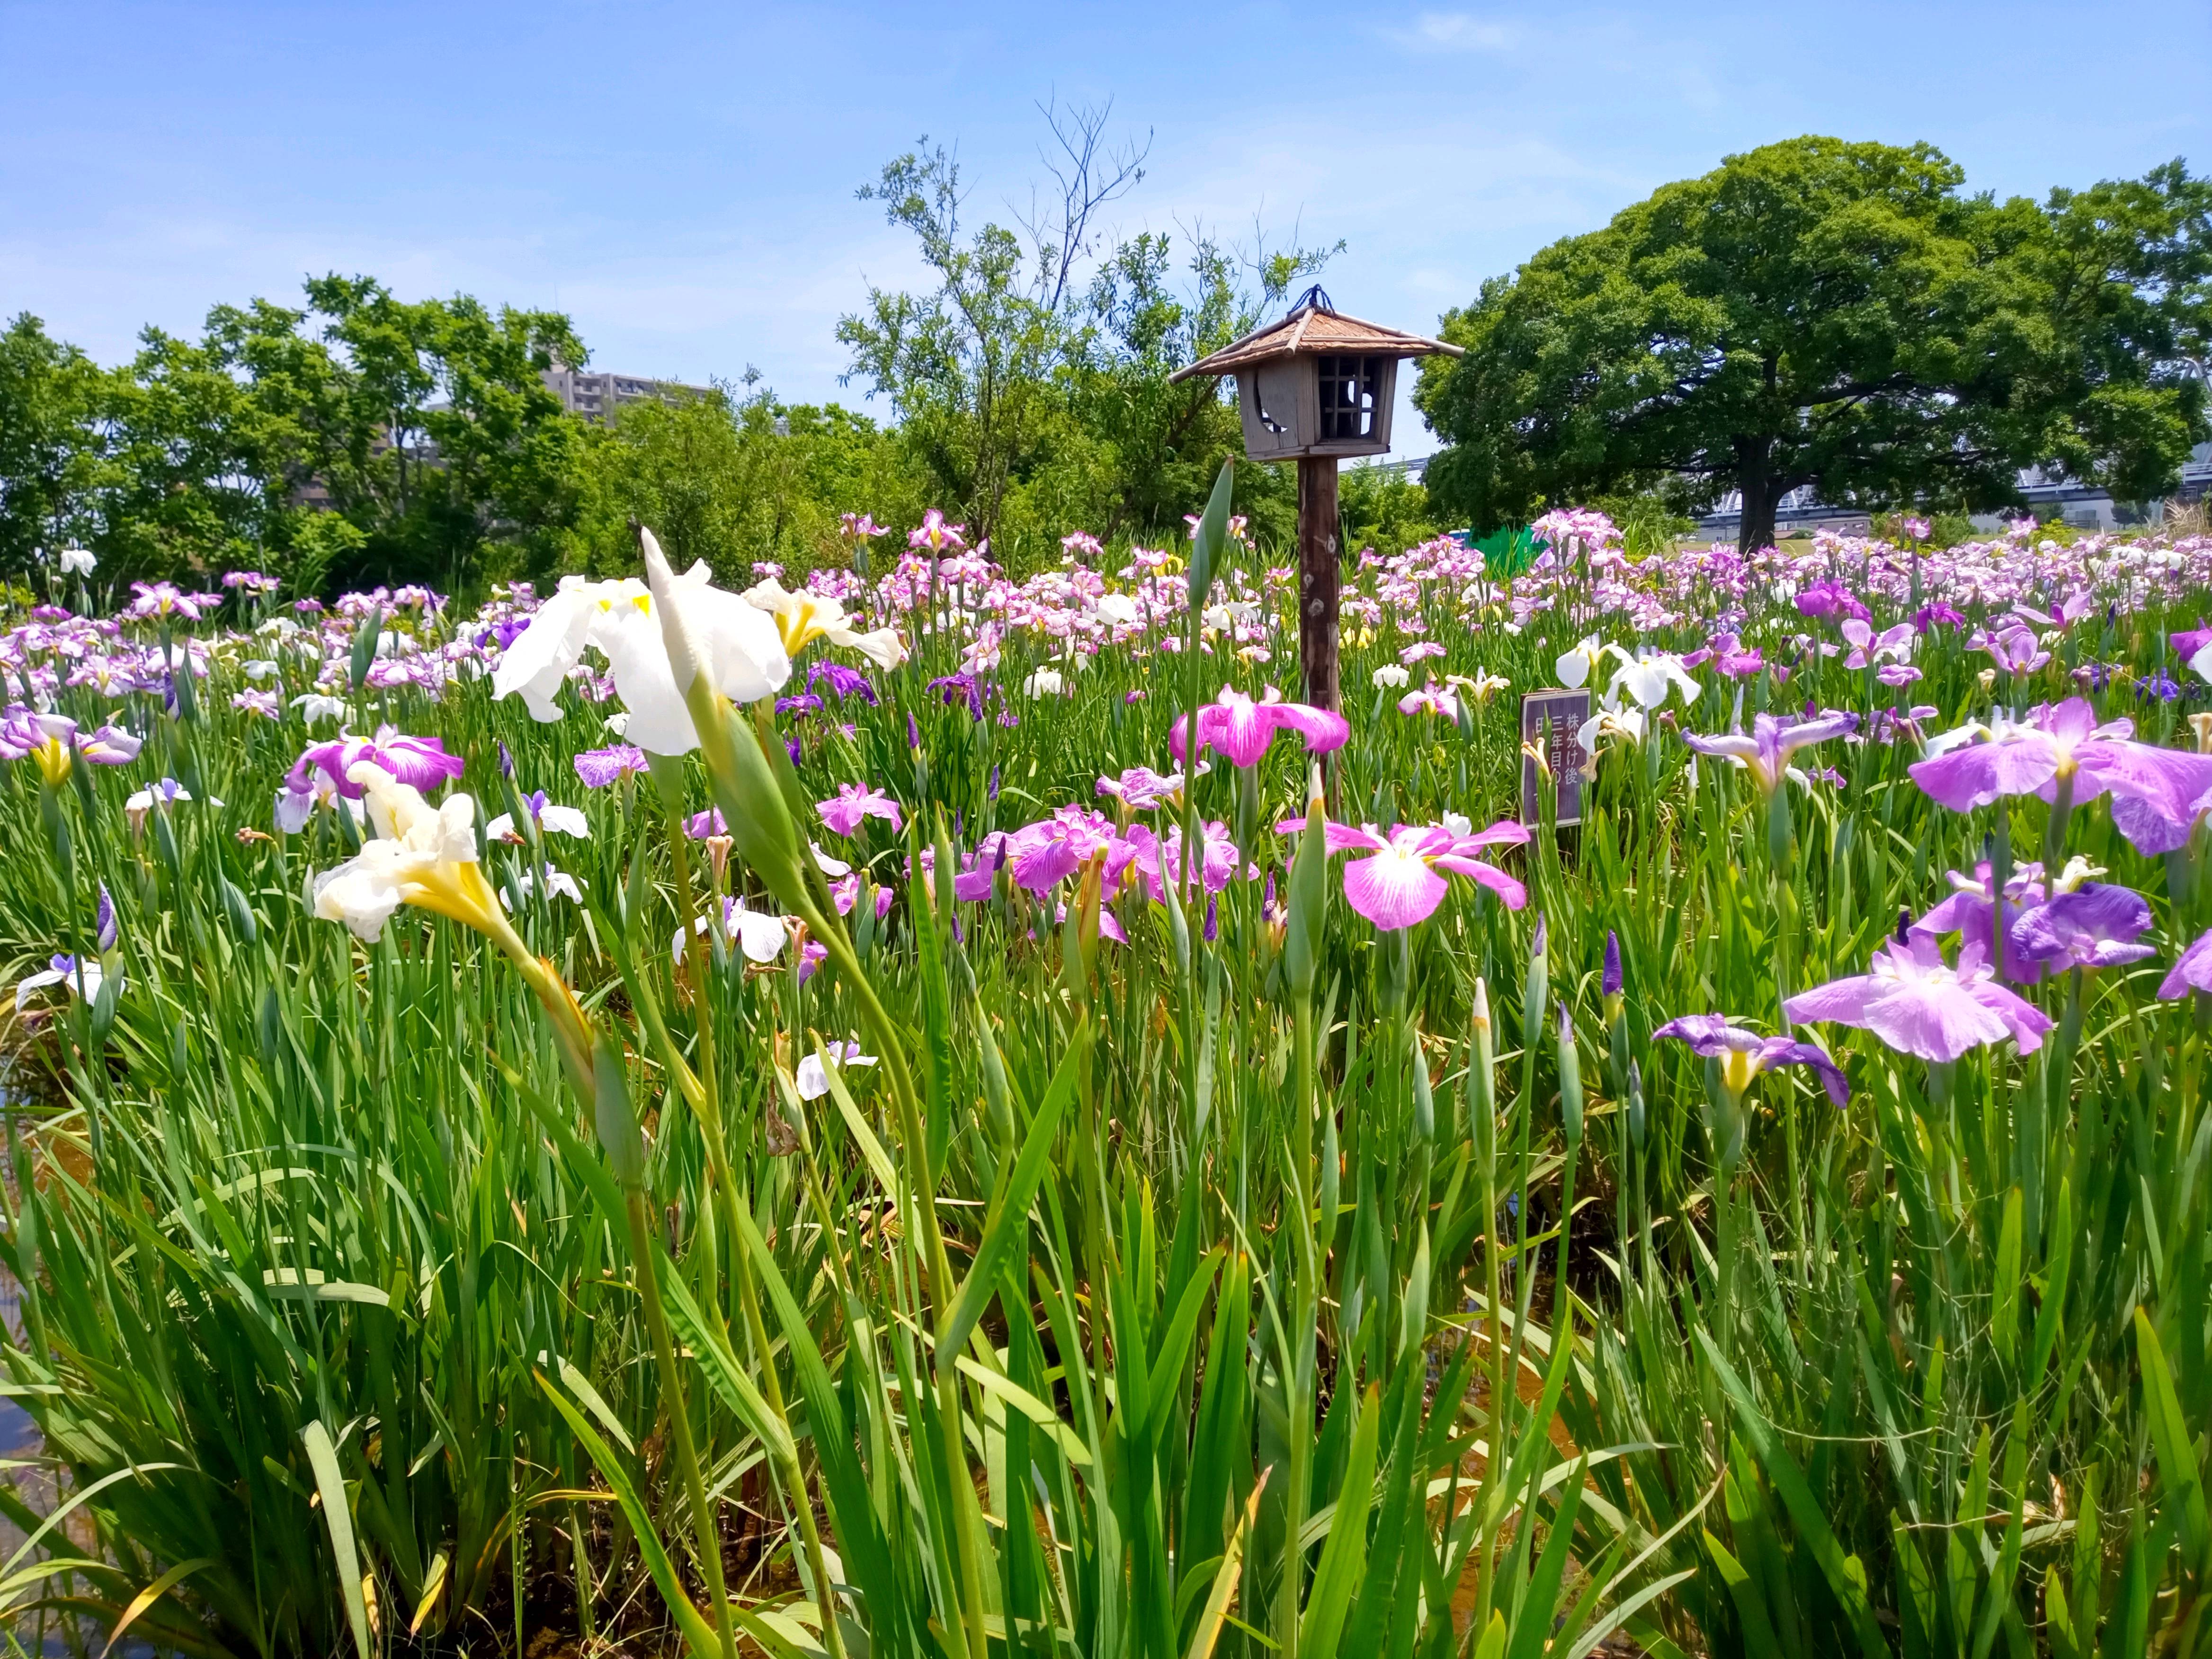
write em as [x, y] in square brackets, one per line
[1382, 508]
[52, 460]
[1834, 314]
[440, 440]
[736, 481]
[1164, 443]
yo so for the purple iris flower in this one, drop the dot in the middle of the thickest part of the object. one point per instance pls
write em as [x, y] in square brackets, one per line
[2160, 685]
[2188, 642]
[599, 767]
[1765, 753]
[2191, 971]
[1744, 1055]
[1970, 912]
[1610, 986]
[2098, 924]
[955, 688]
[843, 681]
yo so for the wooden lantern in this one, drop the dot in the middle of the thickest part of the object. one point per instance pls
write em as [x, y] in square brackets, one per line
[1313, 388]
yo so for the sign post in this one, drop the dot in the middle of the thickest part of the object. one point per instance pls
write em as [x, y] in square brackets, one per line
[1549, 723]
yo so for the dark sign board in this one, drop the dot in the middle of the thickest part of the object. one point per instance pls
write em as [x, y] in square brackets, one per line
[1563, 714]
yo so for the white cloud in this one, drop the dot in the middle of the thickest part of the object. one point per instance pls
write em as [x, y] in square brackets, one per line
[1459, 31]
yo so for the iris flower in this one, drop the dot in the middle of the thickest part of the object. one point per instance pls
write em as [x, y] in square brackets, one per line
[2097, 925]
[423, 854]
[1398, 885]
[2191, 970]
[551, 818]
[813, 1080]
[2157, 792]
[1918, 1004]
[1649, 675]
[737, 644]
[599, 767]
[53, 741]
[1239, 729]
[853, 805]
[1744, 1055]
[1139, 788]
[419, 762]
[803, 618]
[84, 979]
[1765, 753]
[759, 935]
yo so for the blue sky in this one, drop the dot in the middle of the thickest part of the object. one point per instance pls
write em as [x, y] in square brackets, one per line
[680, 178]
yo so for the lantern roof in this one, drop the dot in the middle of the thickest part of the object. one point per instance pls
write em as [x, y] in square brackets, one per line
[1315, 324]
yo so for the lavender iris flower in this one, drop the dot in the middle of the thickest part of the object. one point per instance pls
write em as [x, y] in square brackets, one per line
[2191, 971]
[1918, 1004]
[2157, 792]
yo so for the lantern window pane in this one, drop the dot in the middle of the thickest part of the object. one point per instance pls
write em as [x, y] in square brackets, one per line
[1347, 397]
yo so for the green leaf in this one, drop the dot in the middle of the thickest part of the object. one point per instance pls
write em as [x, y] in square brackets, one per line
[338, 1515]
[2169, 1432]
[1804, 1508]
[1010, 1207]
[1344, 1554]
[1213, 532]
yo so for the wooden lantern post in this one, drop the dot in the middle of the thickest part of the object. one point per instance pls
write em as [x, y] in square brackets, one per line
[1313, 388]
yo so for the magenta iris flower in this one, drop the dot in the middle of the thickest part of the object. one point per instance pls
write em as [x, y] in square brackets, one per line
[1398, 885]
[1918, 1004]
[854, 804]
[2191, 971]
[419, 762]
[1045, 853]
[2157, 792]
[1744, 1055]
[1240, 729]
[1159, 860]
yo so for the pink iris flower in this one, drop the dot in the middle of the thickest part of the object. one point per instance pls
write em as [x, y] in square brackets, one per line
[845, 893]
[419, 762]
[1918, 1004]
[853, 805]
[1431, 699]
[1240, 729]
[1398, 885]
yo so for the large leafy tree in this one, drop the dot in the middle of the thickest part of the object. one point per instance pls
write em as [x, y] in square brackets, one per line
[51, 464]
[1837, 314]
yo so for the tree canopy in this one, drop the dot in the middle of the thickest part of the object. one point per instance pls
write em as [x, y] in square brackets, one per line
[1837, 314]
